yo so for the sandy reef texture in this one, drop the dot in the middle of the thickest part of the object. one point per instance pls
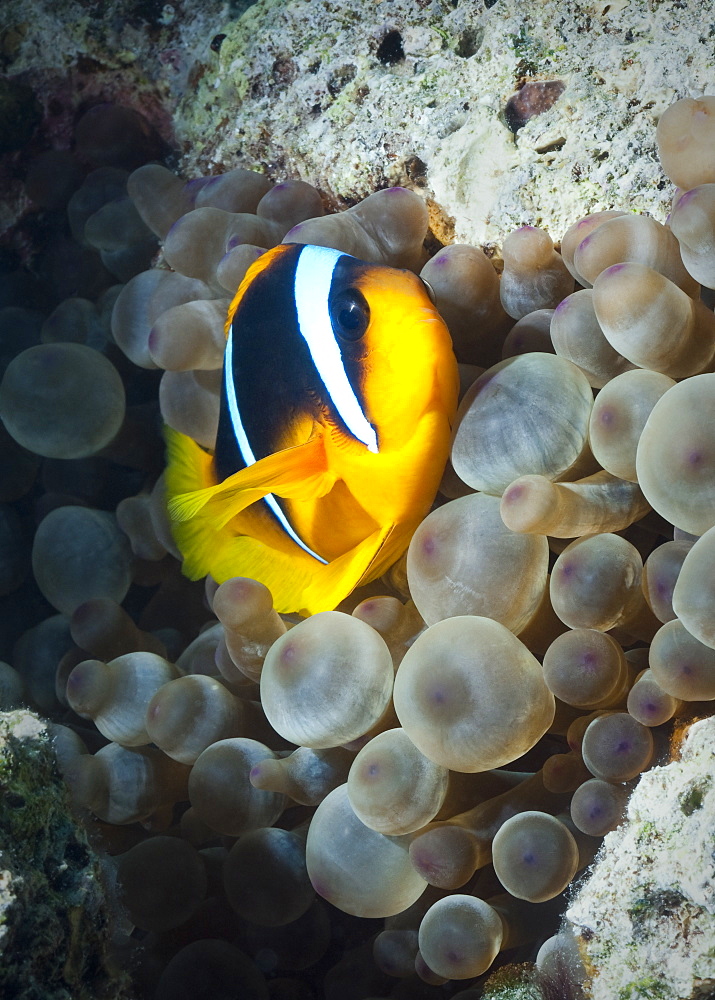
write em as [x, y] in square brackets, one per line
[54, 917]
[646, 916]
[353, 97]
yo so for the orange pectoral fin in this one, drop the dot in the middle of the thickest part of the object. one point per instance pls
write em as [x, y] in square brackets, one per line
[298, 473]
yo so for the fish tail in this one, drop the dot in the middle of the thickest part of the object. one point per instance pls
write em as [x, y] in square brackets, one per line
[189, 467]
[192, 486]
[189, 476]
[189, 471]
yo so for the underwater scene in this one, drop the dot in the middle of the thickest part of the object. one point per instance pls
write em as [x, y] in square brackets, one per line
[357, 501]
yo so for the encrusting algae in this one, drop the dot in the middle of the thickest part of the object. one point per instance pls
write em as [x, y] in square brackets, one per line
[328, 720]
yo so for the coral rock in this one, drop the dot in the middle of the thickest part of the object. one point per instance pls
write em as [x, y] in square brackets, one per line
[354, 98]
[646, 916]
[54, 919]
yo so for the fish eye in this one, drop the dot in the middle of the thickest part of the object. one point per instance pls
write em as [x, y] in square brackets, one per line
[349, 314]
[430, 290]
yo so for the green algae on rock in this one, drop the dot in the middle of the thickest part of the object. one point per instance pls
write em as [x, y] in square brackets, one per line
[515, 982]
[353, 99]
[652, 891]
[54, 917]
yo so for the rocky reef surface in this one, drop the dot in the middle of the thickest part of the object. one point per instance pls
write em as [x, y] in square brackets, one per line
[500, 113]
[646, 916]
[54, 918]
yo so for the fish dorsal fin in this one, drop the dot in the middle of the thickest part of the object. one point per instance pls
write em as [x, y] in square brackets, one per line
[298, 473]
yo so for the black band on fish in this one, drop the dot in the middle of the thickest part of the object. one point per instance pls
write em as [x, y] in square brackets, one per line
[264, 359]
[247, 452]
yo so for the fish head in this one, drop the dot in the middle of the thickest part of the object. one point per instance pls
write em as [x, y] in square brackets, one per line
[390, 330]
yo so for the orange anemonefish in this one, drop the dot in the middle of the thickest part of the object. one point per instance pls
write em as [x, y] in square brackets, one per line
[339, 389]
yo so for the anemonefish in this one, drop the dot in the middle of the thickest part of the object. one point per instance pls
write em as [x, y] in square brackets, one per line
[339, 389]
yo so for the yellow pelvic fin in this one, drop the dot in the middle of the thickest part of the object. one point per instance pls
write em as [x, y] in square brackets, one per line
[298, 473]
[300, 583]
